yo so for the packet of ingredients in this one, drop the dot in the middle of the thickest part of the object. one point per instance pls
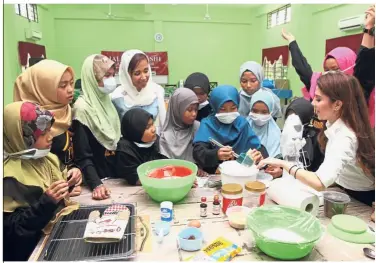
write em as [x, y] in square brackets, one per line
[219, 250]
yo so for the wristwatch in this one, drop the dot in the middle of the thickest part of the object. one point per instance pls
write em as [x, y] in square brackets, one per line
[369, 31]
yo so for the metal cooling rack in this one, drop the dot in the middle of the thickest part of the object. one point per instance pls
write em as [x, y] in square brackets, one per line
[66, 241]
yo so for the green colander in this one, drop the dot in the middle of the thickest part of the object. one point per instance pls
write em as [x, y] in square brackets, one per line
[174, 189]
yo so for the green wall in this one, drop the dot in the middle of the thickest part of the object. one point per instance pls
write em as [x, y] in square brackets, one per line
[235, 34]
[14, 31]
[311, 24]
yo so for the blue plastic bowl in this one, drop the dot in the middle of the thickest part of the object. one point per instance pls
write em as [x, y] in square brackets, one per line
[190, 245]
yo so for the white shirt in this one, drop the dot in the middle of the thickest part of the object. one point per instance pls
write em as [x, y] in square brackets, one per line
[340, 164]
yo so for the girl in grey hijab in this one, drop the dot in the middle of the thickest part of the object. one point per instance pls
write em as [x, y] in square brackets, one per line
[251, 78]
[180, 126]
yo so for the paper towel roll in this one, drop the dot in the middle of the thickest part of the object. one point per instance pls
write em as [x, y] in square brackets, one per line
[286, 192]
[303, 186]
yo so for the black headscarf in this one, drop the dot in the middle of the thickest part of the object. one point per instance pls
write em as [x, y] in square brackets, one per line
[129, 155]
[134, 123]
[303, 108]
[198, 79]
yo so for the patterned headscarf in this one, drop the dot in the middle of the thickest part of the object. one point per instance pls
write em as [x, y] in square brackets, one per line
[35, 122]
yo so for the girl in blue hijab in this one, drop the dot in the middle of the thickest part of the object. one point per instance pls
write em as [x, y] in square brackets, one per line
[262, 123]
[226, 126]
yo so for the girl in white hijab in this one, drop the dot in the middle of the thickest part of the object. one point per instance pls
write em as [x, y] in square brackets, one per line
[137, 88]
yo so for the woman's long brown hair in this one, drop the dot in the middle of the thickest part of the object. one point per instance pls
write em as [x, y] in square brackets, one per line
[341, 87]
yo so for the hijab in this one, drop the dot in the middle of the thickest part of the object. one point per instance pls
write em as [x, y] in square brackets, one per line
[239, 134]
[129, 94]
[127, 90]
[245, 99]
[269, 134]
[345, 58]
[25, 180]
[302, 108]
[129, 154]
[176, 137]
[305, 111]
[93, 108]
[198, 79]
[39, 84]
[134, 123]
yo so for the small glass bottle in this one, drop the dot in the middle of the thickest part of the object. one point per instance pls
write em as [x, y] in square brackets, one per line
[203, 207]
[216, 205]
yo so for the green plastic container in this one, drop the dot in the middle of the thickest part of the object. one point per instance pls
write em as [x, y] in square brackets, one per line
[299, 222]
[174, 189]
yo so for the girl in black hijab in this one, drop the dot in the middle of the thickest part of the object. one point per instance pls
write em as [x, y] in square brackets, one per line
[304, 109]
[138, 145]
[199, 83]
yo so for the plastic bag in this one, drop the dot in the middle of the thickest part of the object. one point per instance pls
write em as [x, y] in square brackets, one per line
[219, 250]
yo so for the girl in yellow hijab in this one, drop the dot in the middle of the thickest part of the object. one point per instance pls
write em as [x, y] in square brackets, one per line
[50, 84]
[36, 192]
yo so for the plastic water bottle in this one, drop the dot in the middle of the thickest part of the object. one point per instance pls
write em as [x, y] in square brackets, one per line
[166, 211]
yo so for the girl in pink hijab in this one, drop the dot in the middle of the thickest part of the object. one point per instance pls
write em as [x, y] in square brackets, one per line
[340, 58]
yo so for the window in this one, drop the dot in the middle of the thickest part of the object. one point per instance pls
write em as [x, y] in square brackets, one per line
[28, 11]
[280, 16]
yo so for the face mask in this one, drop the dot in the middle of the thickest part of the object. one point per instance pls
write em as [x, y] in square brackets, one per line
[145, 145]
[260, 119]
[228, 117]
[109, 85]
[202, 105]
[29, 154]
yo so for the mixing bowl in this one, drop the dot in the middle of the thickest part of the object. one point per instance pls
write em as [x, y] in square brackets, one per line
[283, 232]
[173, 189]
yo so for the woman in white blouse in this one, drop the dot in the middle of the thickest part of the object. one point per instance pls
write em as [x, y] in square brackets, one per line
[347, 138]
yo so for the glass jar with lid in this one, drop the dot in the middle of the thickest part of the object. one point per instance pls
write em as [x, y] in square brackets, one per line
[255, 194]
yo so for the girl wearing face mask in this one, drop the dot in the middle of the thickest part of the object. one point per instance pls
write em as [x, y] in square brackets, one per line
[226, 126]
[180, 126]
[138, 145]
[96, 125]
[265, 126]
[36, 192]
[50, 84]
[137, 88]
[347, 138]
[251, 78]
[199, 83]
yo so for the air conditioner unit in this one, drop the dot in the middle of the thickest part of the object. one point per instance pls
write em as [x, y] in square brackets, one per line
[351, 23]
[33, 34]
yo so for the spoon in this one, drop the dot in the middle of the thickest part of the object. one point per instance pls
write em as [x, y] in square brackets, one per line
[369, 252]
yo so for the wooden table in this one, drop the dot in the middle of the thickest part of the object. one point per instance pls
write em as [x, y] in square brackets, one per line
[328, 248]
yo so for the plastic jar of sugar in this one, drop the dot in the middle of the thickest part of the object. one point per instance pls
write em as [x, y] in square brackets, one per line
[166, 211]
[255, 194]
[232, 196]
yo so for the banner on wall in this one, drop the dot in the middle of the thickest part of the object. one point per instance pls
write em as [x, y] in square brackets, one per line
[27, 50]
[158, 63]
